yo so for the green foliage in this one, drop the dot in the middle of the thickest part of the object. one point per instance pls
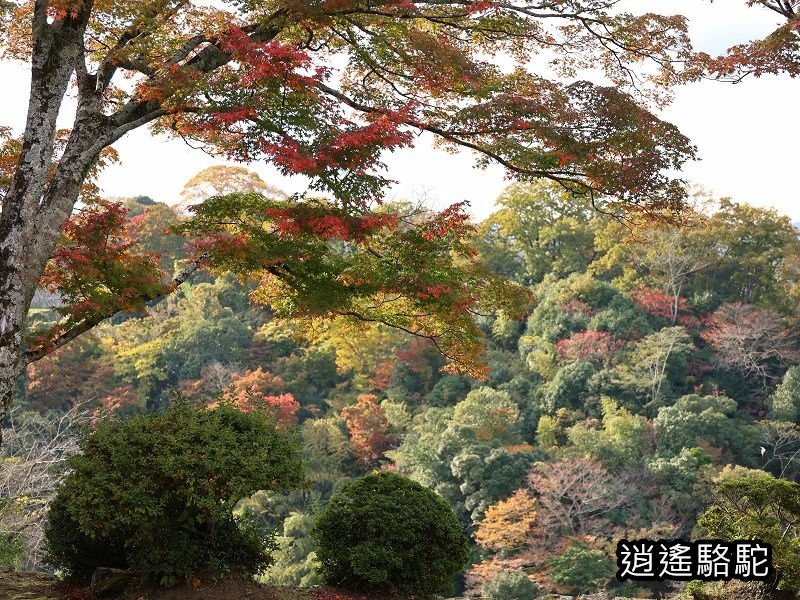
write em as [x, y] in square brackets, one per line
[449, 390]
[580, 570]
[492, 415]
[539, 355]
[294, 559]
[569, 387]
[754, 246]
[566, 306]
[785, 402]
[539, 229]
[506, 331]
[482, 474]
[11, 549]
[181, 335]
[325, 448]
[681, 472]
[472, 455]
[622, 442]
[652, 363]
[694, 418]
[387, 532]
[620, 317]
[419, 455]
[548, 433]
[156, 493]
[510, 585]
[764, 508]
[397, 414]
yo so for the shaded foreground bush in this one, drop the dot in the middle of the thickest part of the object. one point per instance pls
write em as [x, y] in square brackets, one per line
[760, 507]
[514, 585]
[155, 493]
[387, 532]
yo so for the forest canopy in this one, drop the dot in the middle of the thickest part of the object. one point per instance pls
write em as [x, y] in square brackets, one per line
[646, 374]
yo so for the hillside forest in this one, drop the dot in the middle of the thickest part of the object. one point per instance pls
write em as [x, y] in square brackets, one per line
[649, 366]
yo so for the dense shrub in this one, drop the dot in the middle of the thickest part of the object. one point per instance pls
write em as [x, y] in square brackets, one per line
[156, 493]
[11, 550]
[760, 507]
[387, 532]
[580, 570]
[514, 585]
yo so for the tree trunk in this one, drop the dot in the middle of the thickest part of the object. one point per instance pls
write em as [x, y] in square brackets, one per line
[57, 48]
[10, 351]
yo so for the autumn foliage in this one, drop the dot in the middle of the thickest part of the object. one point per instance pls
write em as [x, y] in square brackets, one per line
[507, 524]
[259, 388]
[370, 432]
[97, 269]
[312, 260]
[594, 346]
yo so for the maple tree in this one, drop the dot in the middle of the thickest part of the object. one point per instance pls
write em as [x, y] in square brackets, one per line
[259, 388]
[657, 303]
[315, 260]
[506, 525]
[254, 79]
[778, 52]
[563, 502]
[586, 345]
[95, 268]
[370, 432]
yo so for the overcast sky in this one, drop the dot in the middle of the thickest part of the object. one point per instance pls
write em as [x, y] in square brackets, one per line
[747, 134]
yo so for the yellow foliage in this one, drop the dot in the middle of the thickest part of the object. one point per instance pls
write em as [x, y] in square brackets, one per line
[507, 523]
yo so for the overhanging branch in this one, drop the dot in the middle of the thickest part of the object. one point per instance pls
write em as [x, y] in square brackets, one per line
[40, 352]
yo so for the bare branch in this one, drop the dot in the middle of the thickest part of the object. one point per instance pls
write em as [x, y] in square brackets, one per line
[33, 465]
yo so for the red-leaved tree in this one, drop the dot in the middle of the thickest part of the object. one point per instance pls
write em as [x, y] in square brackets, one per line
[370, 431]
[261, 389]
[590, 345]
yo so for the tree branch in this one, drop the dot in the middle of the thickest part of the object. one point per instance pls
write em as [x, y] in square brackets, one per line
[35, 354]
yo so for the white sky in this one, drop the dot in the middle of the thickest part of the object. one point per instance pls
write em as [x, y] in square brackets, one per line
[746, 133]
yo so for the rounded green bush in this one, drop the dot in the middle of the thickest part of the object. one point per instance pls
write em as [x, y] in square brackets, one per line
[510, 585]
[387, 532]
[155, 493]
[581, 570]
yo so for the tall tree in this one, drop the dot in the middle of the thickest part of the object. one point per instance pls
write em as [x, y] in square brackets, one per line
[539, 229]
[753, 341]
[221, 180]
[252, 80]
